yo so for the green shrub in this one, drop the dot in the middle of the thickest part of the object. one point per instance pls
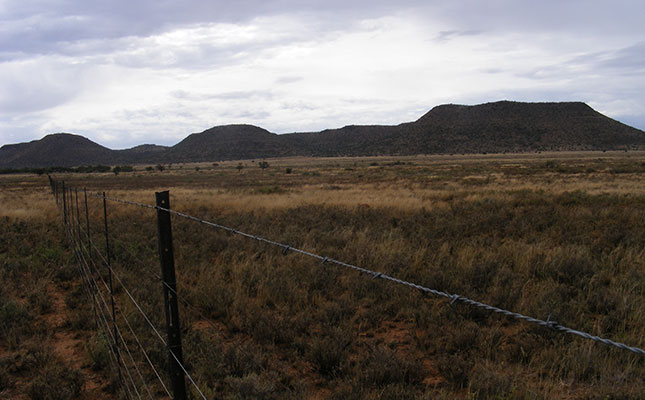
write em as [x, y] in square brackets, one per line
[98, 351]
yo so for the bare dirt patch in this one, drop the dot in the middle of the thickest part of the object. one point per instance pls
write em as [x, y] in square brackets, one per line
[70, 346]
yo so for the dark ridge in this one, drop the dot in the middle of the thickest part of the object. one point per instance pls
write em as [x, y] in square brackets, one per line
[498, 127]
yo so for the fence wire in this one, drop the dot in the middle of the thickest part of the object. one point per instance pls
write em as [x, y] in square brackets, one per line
[453, 297]
[80, 239]
[78, 236]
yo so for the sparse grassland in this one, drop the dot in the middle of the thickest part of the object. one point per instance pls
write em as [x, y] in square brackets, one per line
[42, 355]
[557, 236]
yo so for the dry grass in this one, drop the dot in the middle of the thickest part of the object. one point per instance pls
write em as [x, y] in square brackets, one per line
[542, 234]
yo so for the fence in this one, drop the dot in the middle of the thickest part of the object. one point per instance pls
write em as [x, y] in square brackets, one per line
[101, 282]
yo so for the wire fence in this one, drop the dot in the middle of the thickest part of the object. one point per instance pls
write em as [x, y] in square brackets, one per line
[136, 357]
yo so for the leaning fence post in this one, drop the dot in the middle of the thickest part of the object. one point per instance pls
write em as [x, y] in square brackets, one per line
[166, 258]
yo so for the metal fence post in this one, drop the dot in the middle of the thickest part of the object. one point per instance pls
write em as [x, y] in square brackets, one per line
[78, 218]
[167, 260]
[64, 206]
[109, 267]
[87, 222]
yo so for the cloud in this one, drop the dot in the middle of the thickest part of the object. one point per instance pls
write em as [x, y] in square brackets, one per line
[36, 85]
[444, 36]
[42, 27]
[285, 80]
[150, 71]
[235, 95]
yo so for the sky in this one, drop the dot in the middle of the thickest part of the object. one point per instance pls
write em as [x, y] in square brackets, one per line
[124, 73]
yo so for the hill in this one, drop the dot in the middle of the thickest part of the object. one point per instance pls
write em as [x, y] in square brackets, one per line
[229, 142]
[60, 149]
[498, 127]
[513, 126]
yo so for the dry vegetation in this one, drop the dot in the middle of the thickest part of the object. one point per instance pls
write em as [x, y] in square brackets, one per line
[557, 235]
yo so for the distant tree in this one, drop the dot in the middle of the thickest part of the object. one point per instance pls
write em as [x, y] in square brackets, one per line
[149, 169]
[215, 164]
[264, 165]
[196, 168]
[160, 167]
[122, 168]
[239, 167]
[288, 171]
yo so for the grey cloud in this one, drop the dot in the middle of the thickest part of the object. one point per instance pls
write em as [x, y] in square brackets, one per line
[250, 115]
[284, 80]
[637, 121]
[623, 62]
[30, 87]
[21, 128]
[211, 50]
[235, 95]
[445, 36]
[200, 56]
[630, 59]
[298, 105]
[553, 16]
[493, 70]
[43, 27]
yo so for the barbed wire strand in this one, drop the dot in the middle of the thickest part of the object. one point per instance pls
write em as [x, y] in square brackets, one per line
[127, 349]
[114, 339]
[146, 356]
[136, 338]
[134, 335]
[131, 329]
[552, 325]
[89, 274]
[103, 321]
[156, 331]
[201, 315]
[188, 304]
[94, 301]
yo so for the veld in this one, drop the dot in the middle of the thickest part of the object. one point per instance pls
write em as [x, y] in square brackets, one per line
[555, 236]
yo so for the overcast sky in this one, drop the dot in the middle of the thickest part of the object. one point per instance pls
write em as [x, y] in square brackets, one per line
[124, 73]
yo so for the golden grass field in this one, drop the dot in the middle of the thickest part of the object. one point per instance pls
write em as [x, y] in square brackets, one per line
[548, 234]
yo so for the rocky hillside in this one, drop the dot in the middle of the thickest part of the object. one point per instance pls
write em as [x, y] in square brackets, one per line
[487, 128]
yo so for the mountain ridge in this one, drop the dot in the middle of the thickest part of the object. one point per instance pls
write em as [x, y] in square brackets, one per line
[496, 127]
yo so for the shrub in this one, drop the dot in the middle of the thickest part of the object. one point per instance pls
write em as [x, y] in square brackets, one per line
[488, 383]
[384, 367]
[251, 386]
[56, 382]
[14, 322]
[98, 350]
[329, 353]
